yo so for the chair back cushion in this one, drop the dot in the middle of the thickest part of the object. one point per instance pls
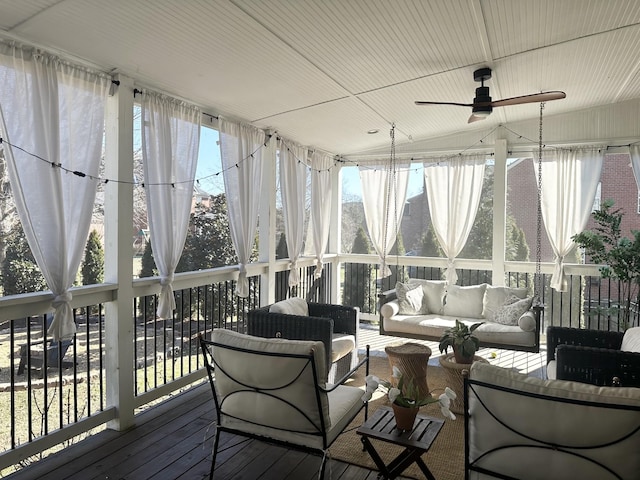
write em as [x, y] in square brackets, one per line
[526, 427]
[631, 340]
[291, 306]
[270, 381]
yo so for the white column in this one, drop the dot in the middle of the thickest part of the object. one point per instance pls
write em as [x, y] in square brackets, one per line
[267, 224]
[499, 211]
[118, 214]
[335, 231]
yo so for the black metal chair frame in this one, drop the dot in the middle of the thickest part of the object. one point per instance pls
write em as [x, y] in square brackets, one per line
[211, 366]
[592, 356]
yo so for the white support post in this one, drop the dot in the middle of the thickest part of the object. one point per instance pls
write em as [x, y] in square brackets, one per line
[119, 320]
[335, 231]
[267, 223]
[499, 212]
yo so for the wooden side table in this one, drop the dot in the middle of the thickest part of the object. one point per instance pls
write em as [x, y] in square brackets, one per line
[455, 380]
[382, 426]
[411, 359]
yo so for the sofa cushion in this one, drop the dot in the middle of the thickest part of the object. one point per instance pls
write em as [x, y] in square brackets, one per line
[464, 301]
[434, 291]
[631, 340]
[291, 306]
[410, 298]
[512, 310]
[495, 297]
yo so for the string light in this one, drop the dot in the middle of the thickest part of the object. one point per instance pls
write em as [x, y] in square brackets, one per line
[337, 160]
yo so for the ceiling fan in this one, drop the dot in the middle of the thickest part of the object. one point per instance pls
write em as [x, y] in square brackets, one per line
[482, 105]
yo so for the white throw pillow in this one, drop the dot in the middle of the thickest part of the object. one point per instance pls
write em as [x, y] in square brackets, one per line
[291, 306]
[464, 301]
[410, 298]
[434, 291]
[495, 297]
[514, 308]
[631, 340]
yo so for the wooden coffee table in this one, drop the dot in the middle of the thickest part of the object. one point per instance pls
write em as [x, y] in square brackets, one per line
[382, 426]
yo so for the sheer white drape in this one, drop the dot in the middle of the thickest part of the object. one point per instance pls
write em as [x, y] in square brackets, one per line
[293, 184]
[321, 195]
[170, 143]
[569, 183]
[634, 152]
[55, 111]
[384, 193]
[454, 187]
[241, 149]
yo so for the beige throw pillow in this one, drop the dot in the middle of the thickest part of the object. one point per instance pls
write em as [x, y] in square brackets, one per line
[495, 298]
[434, 291]
[464, 302]
[410, 299]
[512, 310]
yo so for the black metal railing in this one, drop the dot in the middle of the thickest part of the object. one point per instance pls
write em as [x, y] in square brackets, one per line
[49, 385]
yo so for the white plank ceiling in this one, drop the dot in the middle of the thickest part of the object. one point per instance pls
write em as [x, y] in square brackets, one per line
[324, 72]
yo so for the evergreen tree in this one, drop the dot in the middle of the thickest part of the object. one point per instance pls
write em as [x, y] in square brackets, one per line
[359, 287]
[93, 264]
[20, 273]
[429, 246]
[148, 264]
[281, 249]
[480, 242]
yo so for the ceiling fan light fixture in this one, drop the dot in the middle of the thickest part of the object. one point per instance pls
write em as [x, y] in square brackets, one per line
[482, 110]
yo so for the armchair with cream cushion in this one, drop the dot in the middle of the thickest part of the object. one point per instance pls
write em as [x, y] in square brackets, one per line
[523, 427]
[594, 356]
[272, 389]
[336, 326]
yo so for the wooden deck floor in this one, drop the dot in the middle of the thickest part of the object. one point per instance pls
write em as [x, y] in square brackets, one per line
[174, 440]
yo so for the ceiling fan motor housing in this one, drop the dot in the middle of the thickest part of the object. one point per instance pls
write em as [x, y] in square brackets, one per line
[482, 102]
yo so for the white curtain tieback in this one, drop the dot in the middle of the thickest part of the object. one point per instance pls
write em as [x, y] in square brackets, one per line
[243, 269]
[61, 299]
[166, 280]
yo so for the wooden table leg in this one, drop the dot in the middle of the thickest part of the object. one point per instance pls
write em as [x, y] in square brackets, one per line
[398, 464]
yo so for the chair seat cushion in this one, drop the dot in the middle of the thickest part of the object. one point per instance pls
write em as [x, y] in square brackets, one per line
[341, 345]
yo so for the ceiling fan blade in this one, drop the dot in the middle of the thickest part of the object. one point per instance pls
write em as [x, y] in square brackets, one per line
[476, 118]
[418, 102]
[533, 98]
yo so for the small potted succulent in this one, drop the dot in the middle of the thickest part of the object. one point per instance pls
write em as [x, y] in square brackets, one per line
[461, 339]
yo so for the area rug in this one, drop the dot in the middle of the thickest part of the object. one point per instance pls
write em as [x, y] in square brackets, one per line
[445, 458]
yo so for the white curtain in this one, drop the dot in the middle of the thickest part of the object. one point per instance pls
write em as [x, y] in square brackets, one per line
[384, 193]
[454, 187]
[54, 111]
[241, 149]
[569, 183]
[634, 152]
[321, 195]
[293, 183]
[170, 142]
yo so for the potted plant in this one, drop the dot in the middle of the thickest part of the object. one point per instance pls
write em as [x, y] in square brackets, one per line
[406, 399]
[461, 339]
[619, 256]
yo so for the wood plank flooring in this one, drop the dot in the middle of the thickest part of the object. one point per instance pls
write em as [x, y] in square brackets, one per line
[174, 439]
